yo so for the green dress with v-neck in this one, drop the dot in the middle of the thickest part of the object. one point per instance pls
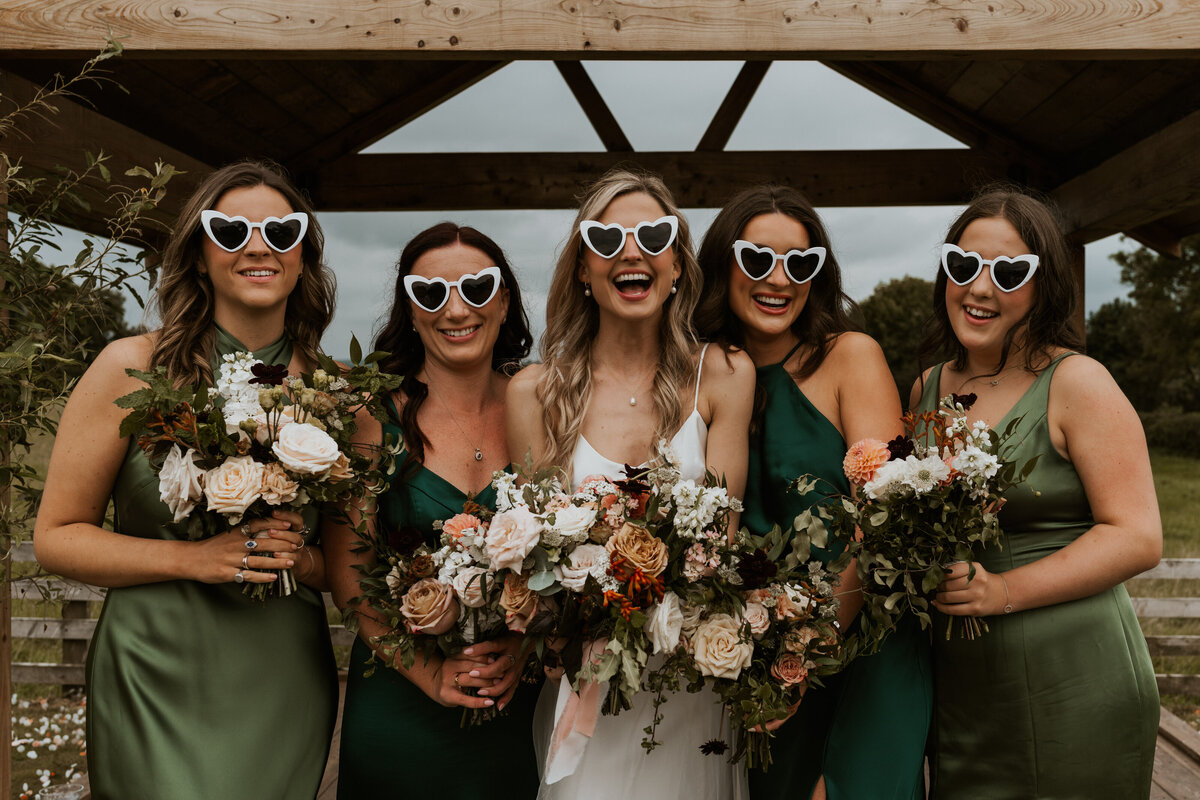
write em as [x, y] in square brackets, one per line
[396, 741]
[1055, 702]
[196, 691]
[865, 729]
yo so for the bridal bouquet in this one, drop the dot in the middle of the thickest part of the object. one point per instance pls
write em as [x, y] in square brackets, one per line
[257, 441]
[926, 500]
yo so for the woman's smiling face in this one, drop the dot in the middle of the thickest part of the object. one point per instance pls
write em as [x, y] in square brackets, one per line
[980, 314]
[769, 307]
[458, 334]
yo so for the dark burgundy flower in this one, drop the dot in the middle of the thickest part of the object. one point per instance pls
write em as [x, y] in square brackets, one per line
[964, 400]
[900, 447]
[272, 374]
[714, 747]
[633, 483]
[756, 569]
[405, 540]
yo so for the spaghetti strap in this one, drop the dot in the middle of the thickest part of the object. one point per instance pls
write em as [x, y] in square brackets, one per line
[791, 353]
[699, 372]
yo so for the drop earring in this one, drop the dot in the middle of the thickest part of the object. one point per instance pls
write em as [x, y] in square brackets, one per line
[587, 290]
[674, 287]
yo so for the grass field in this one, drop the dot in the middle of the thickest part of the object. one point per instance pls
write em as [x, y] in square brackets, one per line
[48, 737]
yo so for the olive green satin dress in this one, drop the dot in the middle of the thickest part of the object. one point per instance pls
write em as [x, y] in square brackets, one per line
[1056, 702]
[865, 729]
[195, 691]
[396, 741]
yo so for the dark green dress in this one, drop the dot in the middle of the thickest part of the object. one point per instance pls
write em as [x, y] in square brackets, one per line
[1056, 702]
[865, 729]
[194, 690]
[396, 741]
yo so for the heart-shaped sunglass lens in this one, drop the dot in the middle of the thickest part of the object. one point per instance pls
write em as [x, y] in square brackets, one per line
[606, 241]
[1008, 275]
[961, 268]
[429, 296]
[654, 238]
[283, 234]
[757, 265]
[478, 289]
[801, 268]
[230, 234]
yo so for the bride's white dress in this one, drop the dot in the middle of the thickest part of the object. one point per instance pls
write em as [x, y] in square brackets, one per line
[614, 764]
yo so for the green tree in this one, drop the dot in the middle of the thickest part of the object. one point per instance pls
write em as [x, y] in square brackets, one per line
[897, 316]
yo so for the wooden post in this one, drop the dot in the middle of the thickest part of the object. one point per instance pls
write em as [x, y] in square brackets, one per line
[6, 594]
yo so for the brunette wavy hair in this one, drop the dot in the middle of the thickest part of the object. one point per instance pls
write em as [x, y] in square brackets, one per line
[406, 352]
[1050, 321]
[572, 321]
[828, 310]
[184, 297]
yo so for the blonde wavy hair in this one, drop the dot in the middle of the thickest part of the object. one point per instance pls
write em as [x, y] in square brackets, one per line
[184, 298]
[573, 320]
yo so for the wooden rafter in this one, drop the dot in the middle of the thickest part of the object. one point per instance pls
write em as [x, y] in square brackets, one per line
[593, 105]
[1158, 237]
[474, 29]
[734, 105]
[457, 181]
[1155, 178]
[370, 128]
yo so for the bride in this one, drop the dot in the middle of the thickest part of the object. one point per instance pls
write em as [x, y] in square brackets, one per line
[622, 370]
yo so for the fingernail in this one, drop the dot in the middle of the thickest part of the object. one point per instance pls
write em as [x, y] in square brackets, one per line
[489, 702]
[290, 563]
[470, 651]
[474, 673]
[483, 692]
[502, 705]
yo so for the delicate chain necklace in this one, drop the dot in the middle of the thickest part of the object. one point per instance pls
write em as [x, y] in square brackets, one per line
[632, 393]
[995, 381]
[470, 441]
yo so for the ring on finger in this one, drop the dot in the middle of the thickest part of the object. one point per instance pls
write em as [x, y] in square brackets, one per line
[238, 577]
[245, 560]
[245, 529]
[304, 531]
[511, 659]
[251, 544]
[456, 686]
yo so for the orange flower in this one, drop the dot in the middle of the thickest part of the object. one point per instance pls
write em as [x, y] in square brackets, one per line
[459, 523]
[863, 458]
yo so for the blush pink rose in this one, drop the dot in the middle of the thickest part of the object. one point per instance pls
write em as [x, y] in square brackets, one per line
[429, 607]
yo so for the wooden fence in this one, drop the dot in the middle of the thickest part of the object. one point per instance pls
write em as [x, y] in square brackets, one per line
[76, 625]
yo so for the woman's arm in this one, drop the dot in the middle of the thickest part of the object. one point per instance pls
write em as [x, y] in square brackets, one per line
[87, 456]
[727, 384]
[1093, 424]
[523, 417]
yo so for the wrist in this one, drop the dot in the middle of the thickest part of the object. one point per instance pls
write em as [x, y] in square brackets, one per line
[1006, 606]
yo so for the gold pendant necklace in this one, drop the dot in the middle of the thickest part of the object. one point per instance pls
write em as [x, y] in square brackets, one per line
[454, 419]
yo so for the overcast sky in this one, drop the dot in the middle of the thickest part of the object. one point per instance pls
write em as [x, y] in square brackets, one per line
[527, 106]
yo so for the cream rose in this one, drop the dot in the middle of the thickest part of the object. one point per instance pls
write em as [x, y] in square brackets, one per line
[586, 559]
[789, 669]
[719, 649]
[277, 487]
[179, 482]
[340, 471]
[664, 623]
[233, 487]
[574, 522]
[429, 607]
[305, 448]
[512, 535]
[757, 617]
[518, 601]
[468, 585]
[640, 548]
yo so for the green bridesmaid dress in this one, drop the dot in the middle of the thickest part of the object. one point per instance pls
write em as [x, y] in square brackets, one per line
[196, 691]
[396, 741]
[865, 729]
[1056, 702]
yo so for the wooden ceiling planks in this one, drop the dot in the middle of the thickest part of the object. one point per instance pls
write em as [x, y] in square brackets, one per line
[1025, 91]
[980, 82]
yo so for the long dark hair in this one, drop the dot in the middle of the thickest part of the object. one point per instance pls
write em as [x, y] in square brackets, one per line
[827, 311]
[184, 297]
[406, 352]
[1050, 321]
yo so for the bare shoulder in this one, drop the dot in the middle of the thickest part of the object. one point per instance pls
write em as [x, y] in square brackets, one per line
[722, 364]
[1081, 382]
[522, 387]
[854, 347]
[108, 371]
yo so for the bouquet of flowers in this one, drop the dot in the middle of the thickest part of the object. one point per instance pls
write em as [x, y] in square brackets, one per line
[257, 441]
[926, 500]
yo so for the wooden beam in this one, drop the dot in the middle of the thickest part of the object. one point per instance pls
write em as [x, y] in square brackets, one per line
[593, 105]
[1155, 178]
[725, 121]
[370, 128]
[62, 139]
[473, 29]
[1158, 237]
[459, 181]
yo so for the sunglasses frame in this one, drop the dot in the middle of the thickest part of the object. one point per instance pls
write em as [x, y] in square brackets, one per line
[206, 218]
[1028, 258]
[742, 245]
[591, 224]
[493, 270]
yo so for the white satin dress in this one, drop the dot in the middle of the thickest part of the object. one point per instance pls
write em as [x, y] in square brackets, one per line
[614, 766]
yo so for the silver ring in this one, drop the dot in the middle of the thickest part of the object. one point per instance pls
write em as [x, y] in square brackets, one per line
[239, 577]
[245, 558]
[245, 529]
[304, 531]
[251, 544]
